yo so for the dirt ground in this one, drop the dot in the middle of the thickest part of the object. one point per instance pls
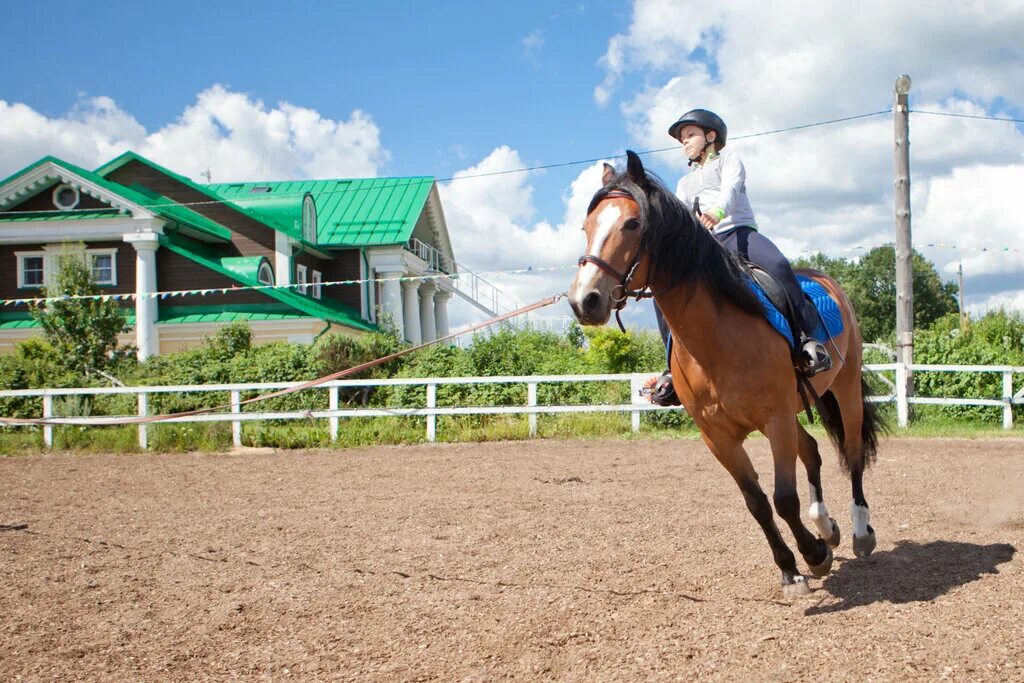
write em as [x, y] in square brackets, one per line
[616, 560]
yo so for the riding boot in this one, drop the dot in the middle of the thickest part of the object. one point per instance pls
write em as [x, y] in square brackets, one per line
[663, 393]
[814, 357]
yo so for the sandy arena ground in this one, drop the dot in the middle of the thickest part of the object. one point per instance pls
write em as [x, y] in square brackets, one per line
[533, 561]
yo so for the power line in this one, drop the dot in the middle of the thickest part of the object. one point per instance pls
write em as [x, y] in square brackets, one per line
[250, 201]
[965, 116]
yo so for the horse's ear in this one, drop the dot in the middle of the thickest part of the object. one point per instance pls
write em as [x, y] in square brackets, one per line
[635, 169]
[609, 174]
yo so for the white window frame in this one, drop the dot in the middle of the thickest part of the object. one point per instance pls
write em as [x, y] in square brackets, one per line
[317, 279]
[21, 256]
[56, 192]
[300, 278]
[112, 253]
[265, 267]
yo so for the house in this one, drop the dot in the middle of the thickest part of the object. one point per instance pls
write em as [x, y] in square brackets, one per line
[147, 229]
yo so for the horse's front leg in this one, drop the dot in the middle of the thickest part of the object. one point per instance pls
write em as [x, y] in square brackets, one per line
[783, 434]
[729, 451]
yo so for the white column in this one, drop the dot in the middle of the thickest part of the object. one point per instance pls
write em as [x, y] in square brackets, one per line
[282, 259]
[427, 324]
[441, 312]
[391, 299]
[412, 312]
[146, 339]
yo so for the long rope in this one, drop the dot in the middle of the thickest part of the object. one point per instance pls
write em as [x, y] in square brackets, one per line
[307, 385]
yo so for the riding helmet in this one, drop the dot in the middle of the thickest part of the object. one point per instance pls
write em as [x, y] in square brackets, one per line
[708, 120]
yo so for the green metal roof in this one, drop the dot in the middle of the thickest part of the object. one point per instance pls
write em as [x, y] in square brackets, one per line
[218, 314]
[171, 315]
[136, 194]
[272, 217]
[350, 213]
[58, 215]
[324, 309]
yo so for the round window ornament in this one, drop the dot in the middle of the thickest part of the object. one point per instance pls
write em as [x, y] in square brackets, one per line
[66, 197]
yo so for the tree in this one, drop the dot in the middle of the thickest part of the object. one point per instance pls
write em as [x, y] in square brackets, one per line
[82, 331]
[873, 291]
[871, 286]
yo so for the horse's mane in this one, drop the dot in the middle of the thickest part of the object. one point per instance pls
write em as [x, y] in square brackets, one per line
[679, 249]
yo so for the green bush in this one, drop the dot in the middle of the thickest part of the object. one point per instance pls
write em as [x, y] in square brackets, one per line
[997, 338]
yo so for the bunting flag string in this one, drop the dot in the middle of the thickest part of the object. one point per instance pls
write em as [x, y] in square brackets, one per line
[455, 277]
[128, 296]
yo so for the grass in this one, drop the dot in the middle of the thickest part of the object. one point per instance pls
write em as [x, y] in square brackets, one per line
[929, 422]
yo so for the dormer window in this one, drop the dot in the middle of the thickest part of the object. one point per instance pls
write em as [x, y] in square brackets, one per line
[309, 219]
[66, 197]
[266, 274]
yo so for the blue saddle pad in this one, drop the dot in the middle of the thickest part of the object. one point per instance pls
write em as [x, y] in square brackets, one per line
[828, 310]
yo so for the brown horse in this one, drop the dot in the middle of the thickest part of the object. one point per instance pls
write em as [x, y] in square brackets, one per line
[732, 371]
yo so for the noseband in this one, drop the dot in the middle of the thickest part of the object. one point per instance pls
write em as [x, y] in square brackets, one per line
[621, 291]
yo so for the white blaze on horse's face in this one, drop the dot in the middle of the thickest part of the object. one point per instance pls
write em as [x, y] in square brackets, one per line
[607, 218]
[611, 243]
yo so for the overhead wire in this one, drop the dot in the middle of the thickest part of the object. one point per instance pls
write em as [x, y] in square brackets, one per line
[250, 201]
[966, 116]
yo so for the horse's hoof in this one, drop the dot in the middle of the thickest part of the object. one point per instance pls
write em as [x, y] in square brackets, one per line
[797, 589]
[825, 566]
[864, 545]
[833, 540]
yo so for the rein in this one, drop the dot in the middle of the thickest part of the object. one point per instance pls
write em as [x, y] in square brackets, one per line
[621, 292]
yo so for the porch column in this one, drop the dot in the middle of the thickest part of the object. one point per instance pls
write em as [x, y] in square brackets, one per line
[146, 338]
[391, 299]
[427, 324]
[282, 259]
[441, 312]
[412, 312]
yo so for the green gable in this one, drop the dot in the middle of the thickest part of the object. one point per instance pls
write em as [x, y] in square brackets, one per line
[181, 216]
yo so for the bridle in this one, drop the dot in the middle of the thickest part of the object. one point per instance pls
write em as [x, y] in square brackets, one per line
[621, 292]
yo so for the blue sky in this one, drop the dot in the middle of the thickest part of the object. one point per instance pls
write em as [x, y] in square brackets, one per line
[279, 90]
[446, 82]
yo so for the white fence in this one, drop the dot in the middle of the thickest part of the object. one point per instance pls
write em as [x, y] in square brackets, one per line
[637, 405]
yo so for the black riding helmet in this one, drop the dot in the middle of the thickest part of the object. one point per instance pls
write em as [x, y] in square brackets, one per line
[708, 120]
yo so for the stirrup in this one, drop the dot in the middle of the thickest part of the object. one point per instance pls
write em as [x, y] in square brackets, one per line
[663, 393]
[814, 357]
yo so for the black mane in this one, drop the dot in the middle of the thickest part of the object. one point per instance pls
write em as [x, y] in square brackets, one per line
[680, 250]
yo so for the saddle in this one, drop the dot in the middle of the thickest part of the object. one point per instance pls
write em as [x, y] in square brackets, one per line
[823, 316]
[776, 295]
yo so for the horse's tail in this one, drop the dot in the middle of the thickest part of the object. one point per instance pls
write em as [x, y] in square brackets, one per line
[871, 427]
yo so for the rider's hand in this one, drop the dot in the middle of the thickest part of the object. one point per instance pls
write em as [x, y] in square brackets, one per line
[709, 220]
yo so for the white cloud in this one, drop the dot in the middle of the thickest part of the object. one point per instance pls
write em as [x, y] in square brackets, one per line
[830, 188]
[232, 134]
[493, 227]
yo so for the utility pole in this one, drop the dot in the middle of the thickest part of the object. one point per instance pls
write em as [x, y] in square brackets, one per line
[904, 250]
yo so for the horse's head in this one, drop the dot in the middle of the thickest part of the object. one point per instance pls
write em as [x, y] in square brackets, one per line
[614, 261]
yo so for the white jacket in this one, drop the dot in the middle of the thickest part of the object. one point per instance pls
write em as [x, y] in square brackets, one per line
[721, 183]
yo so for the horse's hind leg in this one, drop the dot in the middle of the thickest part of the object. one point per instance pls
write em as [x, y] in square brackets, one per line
[730, 453]
[811, 458]
[860, 427]
[783, 433]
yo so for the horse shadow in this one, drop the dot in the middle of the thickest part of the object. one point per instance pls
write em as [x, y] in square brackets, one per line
[911, 572]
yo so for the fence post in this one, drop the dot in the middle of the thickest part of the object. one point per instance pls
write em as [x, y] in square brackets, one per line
[47, 414]
[531, 402]
[431, 418]
[333, 420]
[236, 425]
[1007, 399]
[636, 398]
[143, 429]
[902, 405]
